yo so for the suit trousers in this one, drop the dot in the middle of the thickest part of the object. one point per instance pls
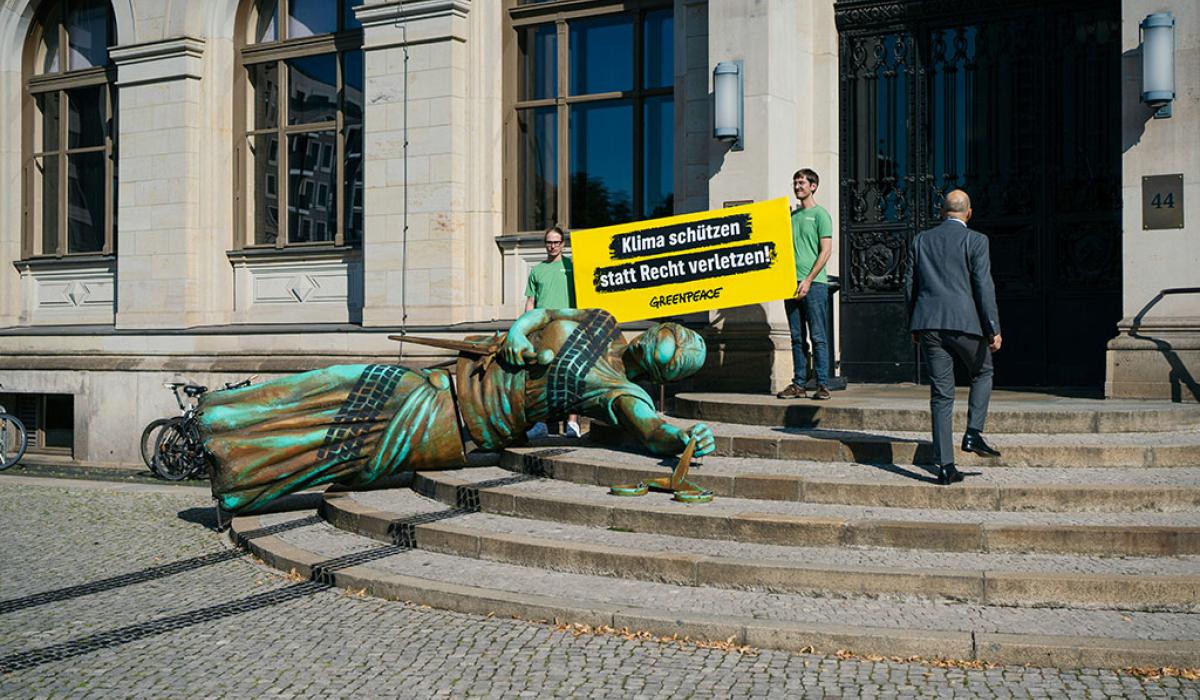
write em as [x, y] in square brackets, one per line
[940, 349]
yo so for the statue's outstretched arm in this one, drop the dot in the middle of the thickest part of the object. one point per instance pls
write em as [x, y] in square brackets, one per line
[657, 435]
[517, 341]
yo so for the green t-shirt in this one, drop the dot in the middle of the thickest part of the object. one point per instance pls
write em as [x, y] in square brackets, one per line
[551, 286]
[808, 227]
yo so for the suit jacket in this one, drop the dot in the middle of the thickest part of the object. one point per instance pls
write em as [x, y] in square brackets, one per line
[948, 281]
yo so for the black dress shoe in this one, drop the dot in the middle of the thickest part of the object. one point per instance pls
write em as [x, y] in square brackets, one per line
[947, 475]
[973, 442]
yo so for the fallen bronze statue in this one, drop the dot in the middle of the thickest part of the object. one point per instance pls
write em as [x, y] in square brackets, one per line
[357, 425]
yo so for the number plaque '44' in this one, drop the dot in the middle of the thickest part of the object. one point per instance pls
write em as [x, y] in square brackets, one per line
[1162, 201]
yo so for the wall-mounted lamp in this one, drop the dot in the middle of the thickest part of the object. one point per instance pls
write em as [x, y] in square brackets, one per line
[1158, 62]
[728, 120]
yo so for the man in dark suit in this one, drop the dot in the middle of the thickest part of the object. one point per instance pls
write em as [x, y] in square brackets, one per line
[952, 314]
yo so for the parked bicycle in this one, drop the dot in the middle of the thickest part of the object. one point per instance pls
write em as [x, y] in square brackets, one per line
[172, 447]
[13, 439]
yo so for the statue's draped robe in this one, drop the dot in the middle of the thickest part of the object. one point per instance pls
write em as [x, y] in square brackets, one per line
[354, 425]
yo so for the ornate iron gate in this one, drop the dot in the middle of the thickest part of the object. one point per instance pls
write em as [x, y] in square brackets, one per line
[1019, 104]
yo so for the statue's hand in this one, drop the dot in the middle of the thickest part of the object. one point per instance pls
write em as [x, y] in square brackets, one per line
[516, 345]
[705, 442]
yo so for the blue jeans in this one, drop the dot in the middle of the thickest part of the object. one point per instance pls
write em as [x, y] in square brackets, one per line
[811, 312]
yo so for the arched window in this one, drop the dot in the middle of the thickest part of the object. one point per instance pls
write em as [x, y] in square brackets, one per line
[69, 134]
[300, 155]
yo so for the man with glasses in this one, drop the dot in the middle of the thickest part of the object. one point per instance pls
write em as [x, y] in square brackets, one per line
[550, 286]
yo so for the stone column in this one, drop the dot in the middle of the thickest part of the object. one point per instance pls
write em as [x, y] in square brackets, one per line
[162, 142]
[450, 272]
[11, 302]
[1156, 354]
[789, 55]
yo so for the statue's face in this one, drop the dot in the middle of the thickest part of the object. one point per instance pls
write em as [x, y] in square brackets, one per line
[668, 352]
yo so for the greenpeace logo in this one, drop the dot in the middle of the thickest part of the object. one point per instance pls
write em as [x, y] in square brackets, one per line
[685, 297]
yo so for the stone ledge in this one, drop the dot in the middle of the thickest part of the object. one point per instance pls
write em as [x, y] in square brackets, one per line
[392, 24]
[172, 59]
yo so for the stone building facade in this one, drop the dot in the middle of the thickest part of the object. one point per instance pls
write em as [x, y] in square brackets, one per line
[210, 190]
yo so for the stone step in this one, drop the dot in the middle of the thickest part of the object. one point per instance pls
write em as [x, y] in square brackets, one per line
[1110, 490]
[896, 625]
[579, 501]
[872, 409]
[1167, 584]
[1061, 451]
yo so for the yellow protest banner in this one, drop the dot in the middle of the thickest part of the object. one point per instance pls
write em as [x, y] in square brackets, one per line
[681, 264]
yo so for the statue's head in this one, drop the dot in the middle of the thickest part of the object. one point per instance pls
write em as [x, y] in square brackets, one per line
[666, 352]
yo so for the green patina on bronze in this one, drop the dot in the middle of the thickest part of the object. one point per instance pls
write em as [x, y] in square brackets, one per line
[356, 425]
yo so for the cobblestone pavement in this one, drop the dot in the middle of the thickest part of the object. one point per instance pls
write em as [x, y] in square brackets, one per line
[125, 590]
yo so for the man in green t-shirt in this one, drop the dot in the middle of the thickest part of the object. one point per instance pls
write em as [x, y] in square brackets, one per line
[551, 286]
[812, 242]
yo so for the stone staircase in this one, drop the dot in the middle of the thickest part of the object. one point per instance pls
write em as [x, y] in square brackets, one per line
[1080, 547]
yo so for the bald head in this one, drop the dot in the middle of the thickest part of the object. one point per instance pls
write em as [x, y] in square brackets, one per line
[957, 205]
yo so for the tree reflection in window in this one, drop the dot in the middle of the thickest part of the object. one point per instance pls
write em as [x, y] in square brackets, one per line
[610, 85]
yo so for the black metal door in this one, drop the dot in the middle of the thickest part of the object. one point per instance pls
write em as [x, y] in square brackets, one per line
[1018, 104]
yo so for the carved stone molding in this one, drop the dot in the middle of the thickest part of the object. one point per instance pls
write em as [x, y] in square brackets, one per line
[181, 57]
[288, 289]
[387, 24]
[83, 293]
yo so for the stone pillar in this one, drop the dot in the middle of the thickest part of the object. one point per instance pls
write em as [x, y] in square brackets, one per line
[451, 272]
[1156, 354]
[789, 55]
[162, 141]
[10, 180]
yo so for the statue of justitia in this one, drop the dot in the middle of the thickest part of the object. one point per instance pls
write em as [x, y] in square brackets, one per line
[356, 425]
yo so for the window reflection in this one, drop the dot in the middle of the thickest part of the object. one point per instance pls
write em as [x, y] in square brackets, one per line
[538, 167]
[311, 17]
[303, 178]
[45, 183]
[314, 166]
[87, 34]
[658, 179]
[658, 49]
[312, 89]
[49, 53]
[539, 62]
[354, 184]
[349, 20]
[47, 103]
[73, 176]
[266, 21]
[612, 171]
[263, 197]
[601, 54]
[264, 80]
[352, 79]
[85, 202]
[85, 114]
[601, 137]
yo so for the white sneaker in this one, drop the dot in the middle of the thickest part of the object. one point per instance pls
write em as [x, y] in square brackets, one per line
[572, 429]
[539, 430]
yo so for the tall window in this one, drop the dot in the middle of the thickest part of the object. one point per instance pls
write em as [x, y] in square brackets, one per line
[69, 135]
[594, 114]
[300, 158]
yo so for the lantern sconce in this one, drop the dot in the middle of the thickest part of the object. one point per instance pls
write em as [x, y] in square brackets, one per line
[728, 110]
[1158, 62]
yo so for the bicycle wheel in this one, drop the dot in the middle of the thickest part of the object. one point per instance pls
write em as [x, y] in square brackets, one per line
[150, 438]
[12, 440]
[172, 458]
